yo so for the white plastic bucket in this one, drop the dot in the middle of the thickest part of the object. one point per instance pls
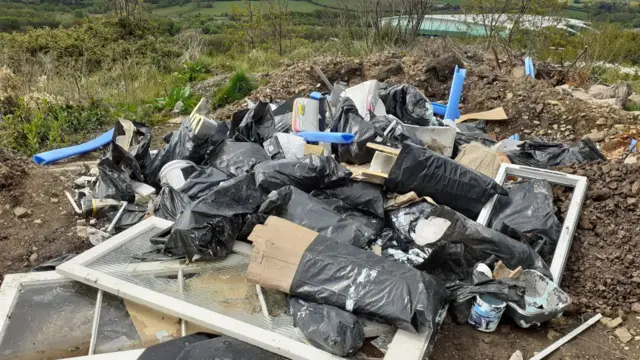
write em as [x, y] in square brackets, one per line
[171, 173]
[486, 313]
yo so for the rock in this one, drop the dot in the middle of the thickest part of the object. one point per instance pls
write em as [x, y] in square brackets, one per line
[37, 221]
[631, 201]
[622, 315]
[601, 122]
[54, 200]
[612, 324]
[552, 334]
[634, 99]
[619, 127]
[595, 136]
[176, 120]
[517, 355]
[635, 307]
[33, 258]
[601, 92]
[177, 109]
[21, 212]
[584, 223]
[623, 335]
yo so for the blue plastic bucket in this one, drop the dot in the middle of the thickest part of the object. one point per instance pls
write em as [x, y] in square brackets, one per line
[486, 313]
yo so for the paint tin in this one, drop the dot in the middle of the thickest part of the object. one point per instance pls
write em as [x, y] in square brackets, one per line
[486, 312]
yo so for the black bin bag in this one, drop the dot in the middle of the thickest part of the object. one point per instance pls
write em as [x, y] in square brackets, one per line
[326, 327]
[237, 158]
[444, 180]
[113, 182]
[136, 138]
[170, 203]
[202, 182]
[361, 282]
[362, 196]
[257, 126]
[209, 226]
[462, 295]
[193, 141]
[398, 134]
[307, 174]
[408, 104]
[547, 155]
[348, 120]
[303, 209]
[441, 224]
[529, 208]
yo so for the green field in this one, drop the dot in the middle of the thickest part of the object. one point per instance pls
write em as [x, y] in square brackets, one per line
[226, 7]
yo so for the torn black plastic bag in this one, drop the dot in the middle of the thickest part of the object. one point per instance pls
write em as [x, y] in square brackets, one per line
[462, 295]
[303, 209]
[237, 158]
[193, 141]
[132, 214]
[469, 132]
[370, 225]
[202, 182]
[408, 104]
[444, 180]
[170, 203]
[307, 174]
[401, 219]
[360, 195]
[397, 135]
[442, 224]
[113, 182]
[130, 147]
[394, 248]
[257, 126]
[529, 208]
[348, 120]
[547, 155]
[361, 282]
[209, 226]
[326, 327]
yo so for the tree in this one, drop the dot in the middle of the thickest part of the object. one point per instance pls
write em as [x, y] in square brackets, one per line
[279, 21]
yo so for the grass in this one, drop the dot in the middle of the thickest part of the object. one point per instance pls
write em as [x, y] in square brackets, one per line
[239, 86]
[226, 7]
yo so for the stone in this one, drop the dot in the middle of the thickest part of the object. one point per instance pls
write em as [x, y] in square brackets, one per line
[584, 223]
[21, 212]
[619, 126]
[601, 92]
[631, 201]
[612, 324]
[37, 221]
[552, 334]
[595, 136]
[536, 122]
[33, 258]
[634, 99]
[635, 307]
[177, 109]
[54, 200]
[517, 355]
[601, 122]
[623, 335]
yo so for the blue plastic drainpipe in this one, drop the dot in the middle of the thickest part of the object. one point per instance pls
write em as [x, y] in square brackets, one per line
[52, 156]
[453, 111]
[529, 69]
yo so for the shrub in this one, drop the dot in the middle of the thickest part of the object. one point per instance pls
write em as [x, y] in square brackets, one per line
[175, 95]
[238, 87]
[193, 70]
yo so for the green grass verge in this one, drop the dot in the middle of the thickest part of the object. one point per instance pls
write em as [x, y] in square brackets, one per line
[226, 7]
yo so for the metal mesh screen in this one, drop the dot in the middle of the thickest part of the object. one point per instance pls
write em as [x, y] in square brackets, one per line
[220, 286]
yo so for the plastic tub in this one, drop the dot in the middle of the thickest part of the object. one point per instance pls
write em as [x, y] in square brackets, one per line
[544, 299]
[173, 174]
[486, 313]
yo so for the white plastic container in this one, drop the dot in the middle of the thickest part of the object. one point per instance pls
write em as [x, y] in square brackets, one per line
[486, 313]
[172, 174]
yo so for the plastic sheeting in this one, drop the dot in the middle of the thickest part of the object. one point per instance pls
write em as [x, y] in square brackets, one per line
[546, 155]
[193, 141]
[445, 181]
[113, 182]
[348, 120]
[359, 281]
[237, 158]
[203, 181]
[170, 203]
[362, 196]
[303, 209]
[307, 174]
[397, 135]
[441, 224]
[529, 208]
[394, 248]
[132, 214]
[462, 295]
[135, 158]
[327, 327]
[408, 104]
[209, 226]
[257, 126]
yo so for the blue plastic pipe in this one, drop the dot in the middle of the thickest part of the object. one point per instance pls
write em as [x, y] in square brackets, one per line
[327, 137]
[529, 70]
[52, 156]
[439, 109]
[453, 111]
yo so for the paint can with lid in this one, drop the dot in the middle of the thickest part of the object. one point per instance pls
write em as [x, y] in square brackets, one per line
[486, 313]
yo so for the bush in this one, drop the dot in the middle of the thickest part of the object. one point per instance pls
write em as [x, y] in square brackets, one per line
[238, 87]
[193, 71]
[175, 95]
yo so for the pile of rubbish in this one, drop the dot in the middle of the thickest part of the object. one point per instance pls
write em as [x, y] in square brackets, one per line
[358, 202]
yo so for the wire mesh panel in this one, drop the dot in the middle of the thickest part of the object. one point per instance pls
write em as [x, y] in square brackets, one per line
[220, 286]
